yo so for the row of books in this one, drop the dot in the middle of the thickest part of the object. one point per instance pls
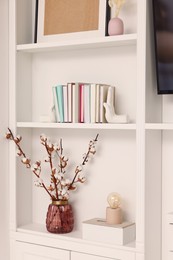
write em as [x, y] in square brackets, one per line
[80, 102]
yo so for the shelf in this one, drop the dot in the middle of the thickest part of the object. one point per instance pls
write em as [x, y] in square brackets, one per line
[159, 126]
[112, 41]
[76, 126]
[73, 237]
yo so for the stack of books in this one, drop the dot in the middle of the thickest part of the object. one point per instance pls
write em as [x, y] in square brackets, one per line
[80, 102]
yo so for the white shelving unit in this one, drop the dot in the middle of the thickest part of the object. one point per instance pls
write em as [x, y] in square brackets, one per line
[125, 161]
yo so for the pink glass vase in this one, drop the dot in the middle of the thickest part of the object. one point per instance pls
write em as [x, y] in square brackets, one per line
[59, 217]
[115, 26]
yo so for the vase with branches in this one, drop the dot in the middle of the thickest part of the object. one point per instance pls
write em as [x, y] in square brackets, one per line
[116, 25]
[60, 215]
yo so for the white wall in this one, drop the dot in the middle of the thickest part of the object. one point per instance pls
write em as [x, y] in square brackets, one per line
[4, 230]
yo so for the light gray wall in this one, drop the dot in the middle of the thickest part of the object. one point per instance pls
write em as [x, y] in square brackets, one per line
[4, 188]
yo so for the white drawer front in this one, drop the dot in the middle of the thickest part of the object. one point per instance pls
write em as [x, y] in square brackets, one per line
[26, 251]
[170, 255]
[80, 256]
[170, 236]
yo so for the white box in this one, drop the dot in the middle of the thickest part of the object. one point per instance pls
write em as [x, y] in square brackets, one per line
[98, 230]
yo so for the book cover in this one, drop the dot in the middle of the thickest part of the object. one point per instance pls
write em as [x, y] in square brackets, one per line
[55, 101]
[93, 102]
[103, 98]
[59, 93]
[69, 101]
[65, 103]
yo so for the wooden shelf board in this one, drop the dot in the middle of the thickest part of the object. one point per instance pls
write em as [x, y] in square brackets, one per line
[109, 41]
[77, 125]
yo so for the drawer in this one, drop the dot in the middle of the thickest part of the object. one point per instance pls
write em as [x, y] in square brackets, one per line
[170, 236]
[26, 251]
[170, 255]
[81, 256]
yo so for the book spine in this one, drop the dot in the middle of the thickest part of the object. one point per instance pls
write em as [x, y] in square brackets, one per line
[97, 103]
[55, 101]
[75, 102]
[93, 103]
[87, 103]
[69, 101]
[65, 104]
[81, 103]
[59, 93]
[101, 104]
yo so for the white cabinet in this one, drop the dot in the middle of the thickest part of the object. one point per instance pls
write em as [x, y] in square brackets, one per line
[24, 251]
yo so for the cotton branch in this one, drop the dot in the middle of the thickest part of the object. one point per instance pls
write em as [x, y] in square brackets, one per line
[91, 151]
[59, 184]
[24, 160]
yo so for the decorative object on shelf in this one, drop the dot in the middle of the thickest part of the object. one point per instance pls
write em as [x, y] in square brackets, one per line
[60, 217]
[70, 19]
[49, 118]
[116, 25]
[110, 114]
[114, 212]
[117, 234]
[60, 214]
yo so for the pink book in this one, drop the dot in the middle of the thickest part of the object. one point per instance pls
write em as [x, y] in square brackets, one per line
[81, 103]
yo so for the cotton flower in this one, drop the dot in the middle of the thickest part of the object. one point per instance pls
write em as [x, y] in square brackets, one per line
[19, 137]
[65, 158]
[36, 183]
[38, 163]
[18, 152]
[43, 137]
[72, 187]
[80, 167]
[56, 147]
[34, 167]
[47, 159]
[41, 181]
[49, 145]
[63, 183]
[25, 160]
[81, 179]
[59, 176]
[64, 190]
[66, 196]
[8, 136]
[67, 181]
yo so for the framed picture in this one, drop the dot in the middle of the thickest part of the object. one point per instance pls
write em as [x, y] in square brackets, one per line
[70, 19]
